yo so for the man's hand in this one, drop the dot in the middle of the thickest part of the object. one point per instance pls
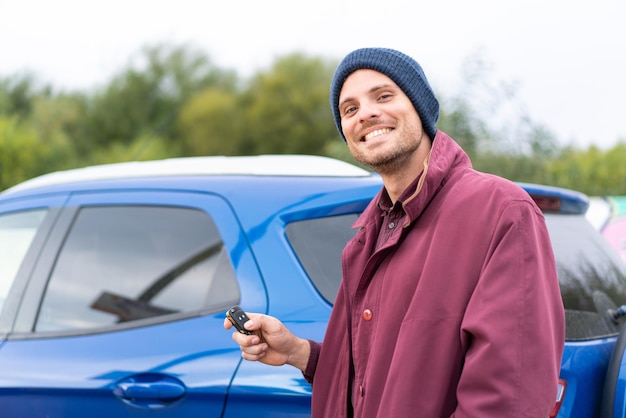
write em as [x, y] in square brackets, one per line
[271, 342]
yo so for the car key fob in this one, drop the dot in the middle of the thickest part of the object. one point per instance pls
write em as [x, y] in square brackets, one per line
[238, 317]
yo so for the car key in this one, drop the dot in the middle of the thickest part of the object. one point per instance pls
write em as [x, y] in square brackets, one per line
[238, 317]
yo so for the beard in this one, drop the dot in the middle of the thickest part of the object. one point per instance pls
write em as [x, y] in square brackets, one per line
[388, 161]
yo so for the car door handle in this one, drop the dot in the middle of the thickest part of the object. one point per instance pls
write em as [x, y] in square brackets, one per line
[145, 388]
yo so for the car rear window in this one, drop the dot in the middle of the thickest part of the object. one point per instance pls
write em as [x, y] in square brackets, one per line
[127, 263]
[591, 274]
[318, 244]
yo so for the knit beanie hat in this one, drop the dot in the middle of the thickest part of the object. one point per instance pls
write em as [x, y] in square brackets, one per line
[402, 69]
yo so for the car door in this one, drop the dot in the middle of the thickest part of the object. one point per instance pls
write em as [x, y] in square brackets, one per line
[123, 311]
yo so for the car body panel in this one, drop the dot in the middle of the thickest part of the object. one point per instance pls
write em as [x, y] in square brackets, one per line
[583, 368]
[65, 376]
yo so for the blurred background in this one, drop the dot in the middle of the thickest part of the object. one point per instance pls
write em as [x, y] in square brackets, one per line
[532, 90]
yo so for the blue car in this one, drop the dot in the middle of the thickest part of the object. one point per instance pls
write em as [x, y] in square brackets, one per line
[114, 282]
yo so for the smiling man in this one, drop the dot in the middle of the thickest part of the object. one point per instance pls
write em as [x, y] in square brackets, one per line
[449, 304]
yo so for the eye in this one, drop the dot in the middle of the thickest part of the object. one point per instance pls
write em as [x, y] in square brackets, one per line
[383, 97]
[348, 111]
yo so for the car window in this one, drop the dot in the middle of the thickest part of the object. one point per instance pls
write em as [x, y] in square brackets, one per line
[126, 263]
[318, 244]
[17, 231]
[591, 275]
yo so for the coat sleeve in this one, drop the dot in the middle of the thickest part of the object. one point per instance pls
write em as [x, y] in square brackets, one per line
[513, 330]
[311, 366]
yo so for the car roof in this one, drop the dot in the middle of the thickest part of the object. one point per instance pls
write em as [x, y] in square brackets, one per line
[549, 199]
[258, 165]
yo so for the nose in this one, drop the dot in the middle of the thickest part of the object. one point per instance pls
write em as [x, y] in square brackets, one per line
[368, 110]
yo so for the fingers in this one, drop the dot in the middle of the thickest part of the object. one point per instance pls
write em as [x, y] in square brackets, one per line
[252, 348]
[227, 324]
[252, 357]
[255, 323]
[254, 352]
[249, 325]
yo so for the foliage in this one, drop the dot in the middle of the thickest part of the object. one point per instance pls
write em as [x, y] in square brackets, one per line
[172, 101]
[25, 153]
[142, 148]
[602, 173]
[209, 123]
[286, 109]
[18, 93]
[145, 98]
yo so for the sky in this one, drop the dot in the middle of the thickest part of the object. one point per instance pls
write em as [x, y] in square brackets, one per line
[565, 59]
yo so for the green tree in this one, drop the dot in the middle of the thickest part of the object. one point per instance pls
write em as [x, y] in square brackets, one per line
[18, 93]
[23, 153]
[285, 110]
[209, 123]
[171, 100]
[140, 149]
[144, 99]
[592, 171]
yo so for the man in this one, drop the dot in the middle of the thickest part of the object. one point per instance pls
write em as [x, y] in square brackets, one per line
[449, 305]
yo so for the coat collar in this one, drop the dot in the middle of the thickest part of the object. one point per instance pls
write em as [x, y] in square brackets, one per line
[445, 155]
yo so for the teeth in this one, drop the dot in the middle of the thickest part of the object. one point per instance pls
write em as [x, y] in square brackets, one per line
[376, 133]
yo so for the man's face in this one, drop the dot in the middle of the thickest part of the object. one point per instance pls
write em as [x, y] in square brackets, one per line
[381, 126]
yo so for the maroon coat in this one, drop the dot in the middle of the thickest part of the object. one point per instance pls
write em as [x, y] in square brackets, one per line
[464, 314]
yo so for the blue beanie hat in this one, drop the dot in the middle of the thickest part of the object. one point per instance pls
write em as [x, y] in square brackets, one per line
[402, 69]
